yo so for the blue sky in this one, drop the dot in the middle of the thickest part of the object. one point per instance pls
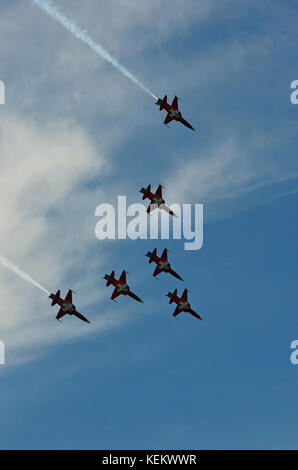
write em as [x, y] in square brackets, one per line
[75, 133]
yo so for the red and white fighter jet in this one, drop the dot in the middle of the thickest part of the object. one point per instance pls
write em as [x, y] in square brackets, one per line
[162, 264]
[173, 111]
[67, 307]
[156, 199]
[182, 304]
[121, 288]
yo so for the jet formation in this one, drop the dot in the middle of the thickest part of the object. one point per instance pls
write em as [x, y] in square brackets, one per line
[156, 200]
[120, 285]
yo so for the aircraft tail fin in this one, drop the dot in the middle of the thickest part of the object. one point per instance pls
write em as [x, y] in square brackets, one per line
[56, 298]
[173, 297]
[163, 103]
[111, 278]
[148, 190]
[153, 254]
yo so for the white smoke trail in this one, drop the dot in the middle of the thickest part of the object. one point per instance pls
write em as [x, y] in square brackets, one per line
[50, 9]
[5, 262]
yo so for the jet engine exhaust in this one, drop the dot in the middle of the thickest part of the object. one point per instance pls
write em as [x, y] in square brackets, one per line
[51, 10]
[7, 264]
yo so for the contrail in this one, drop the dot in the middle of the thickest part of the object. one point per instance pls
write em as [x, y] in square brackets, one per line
[5, 262]
[50, 9]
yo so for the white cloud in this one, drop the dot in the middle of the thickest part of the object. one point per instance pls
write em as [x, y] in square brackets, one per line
[225, 172]
[45, 228]
[225, 166]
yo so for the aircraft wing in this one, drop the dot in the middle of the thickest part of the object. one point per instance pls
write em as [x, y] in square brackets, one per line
[164, 255]
[115, 294]
[123, 277]
[184, 296]
[60, 314]
[175, 102]
[195, 314]
[177, 311]
[81, 317]
[156, 271]
[168, 119]
[68, 297]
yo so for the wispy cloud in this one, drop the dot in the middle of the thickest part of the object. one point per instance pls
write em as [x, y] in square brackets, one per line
[41, 168]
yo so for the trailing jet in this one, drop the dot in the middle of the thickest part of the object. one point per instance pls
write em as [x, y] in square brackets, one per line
[67, 307]
[172, 110]
[182, 304]
[156, 199]
[121, 288]
[162, 264]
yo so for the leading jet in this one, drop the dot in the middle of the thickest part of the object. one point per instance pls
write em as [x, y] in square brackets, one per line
[173, 111]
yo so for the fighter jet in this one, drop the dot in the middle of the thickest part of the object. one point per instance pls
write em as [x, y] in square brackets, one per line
[156, 199]
[172, 110]
[67, 307]
[162, 264]
[182, 304]
[121, 288]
